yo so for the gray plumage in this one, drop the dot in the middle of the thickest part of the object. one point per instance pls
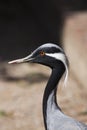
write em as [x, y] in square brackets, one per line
[56, 120]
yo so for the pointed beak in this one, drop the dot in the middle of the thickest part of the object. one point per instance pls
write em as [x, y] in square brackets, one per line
[22, 60]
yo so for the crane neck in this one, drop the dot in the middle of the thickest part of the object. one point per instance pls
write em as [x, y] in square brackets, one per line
[50, 90]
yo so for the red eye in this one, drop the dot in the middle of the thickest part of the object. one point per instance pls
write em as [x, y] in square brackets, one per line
[42, 53]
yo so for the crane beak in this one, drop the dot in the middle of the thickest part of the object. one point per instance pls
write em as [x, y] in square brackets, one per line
[22, 60]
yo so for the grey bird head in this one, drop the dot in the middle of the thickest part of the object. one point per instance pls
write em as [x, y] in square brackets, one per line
[47, 54]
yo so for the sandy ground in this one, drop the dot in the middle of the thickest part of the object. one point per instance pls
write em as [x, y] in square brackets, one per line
[21, 92]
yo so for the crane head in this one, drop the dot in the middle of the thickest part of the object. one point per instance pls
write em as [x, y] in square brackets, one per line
[47, 54]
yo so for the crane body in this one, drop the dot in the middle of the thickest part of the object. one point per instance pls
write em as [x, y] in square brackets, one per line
[53, 56]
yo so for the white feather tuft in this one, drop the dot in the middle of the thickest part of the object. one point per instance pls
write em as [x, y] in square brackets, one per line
[62, 58]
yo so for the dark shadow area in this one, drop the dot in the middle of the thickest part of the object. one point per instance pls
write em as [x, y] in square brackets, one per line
[31, 78]
[26, 24]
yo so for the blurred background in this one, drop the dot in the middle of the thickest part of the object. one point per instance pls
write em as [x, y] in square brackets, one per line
[24, 25]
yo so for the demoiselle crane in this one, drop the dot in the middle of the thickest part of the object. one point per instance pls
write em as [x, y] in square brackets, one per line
[53, 56]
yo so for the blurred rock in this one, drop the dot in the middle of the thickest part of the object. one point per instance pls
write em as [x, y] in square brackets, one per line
[75, 44]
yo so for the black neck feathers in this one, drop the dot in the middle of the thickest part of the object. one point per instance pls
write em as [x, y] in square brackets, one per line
[52, 85]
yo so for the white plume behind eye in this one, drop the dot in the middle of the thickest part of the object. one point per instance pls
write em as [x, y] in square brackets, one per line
[62, 58]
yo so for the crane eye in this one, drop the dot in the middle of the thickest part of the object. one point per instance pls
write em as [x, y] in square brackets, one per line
[42, 53]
